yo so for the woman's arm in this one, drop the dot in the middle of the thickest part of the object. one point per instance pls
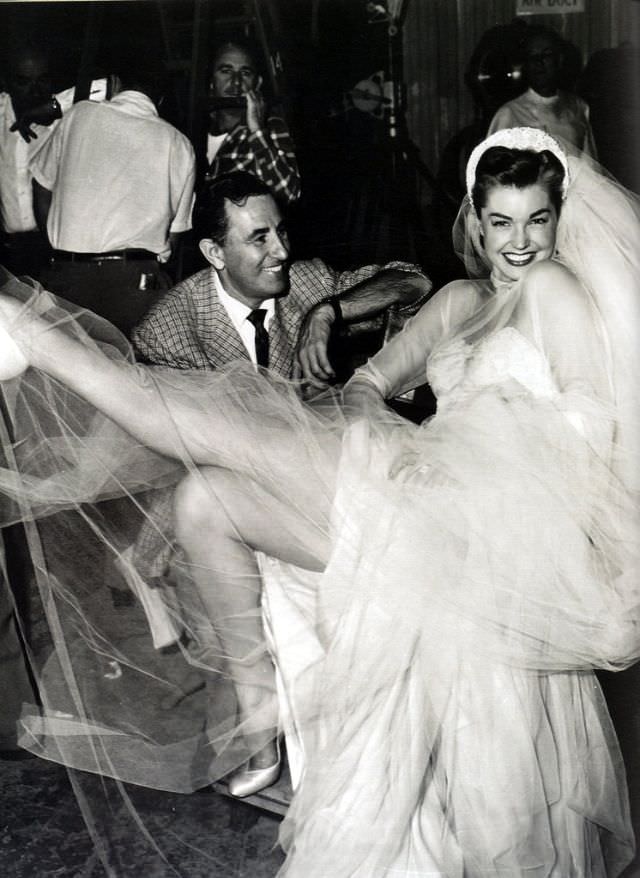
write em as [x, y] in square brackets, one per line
[401, 364]
[363, 301]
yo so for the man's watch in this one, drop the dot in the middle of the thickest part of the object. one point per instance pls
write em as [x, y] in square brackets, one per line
[56, 109]
[338, 317]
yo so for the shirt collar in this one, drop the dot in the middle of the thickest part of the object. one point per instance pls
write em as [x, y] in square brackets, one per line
[134, 102]
[238, 311]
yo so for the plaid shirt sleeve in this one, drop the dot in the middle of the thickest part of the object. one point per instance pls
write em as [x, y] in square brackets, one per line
[268, 153]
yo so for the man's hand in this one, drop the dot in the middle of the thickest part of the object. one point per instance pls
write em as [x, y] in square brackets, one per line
[44, 114]
[312, 358]
[255, 107]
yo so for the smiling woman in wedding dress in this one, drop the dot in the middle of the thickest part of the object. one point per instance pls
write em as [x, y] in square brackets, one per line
[472, 571]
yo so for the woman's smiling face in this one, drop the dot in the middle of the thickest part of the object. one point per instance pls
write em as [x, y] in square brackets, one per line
[519, 228]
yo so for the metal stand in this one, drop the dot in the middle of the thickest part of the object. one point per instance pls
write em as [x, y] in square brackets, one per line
[384, 219]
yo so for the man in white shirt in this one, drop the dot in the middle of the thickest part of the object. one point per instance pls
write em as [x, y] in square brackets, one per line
[24, 249]
[544, 105]
[114, 187]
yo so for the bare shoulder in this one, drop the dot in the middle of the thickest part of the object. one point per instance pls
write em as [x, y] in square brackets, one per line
[550, 271]
[550, 278]
[555, 290]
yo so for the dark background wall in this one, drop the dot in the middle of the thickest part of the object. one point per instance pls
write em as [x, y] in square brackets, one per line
[363, 189]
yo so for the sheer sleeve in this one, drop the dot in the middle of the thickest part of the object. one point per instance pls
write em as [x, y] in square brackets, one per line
[401, 363]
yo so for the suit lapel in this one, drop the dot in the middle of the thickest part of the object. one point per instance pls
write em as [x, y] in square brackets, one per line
[280, 348]
[222, 344]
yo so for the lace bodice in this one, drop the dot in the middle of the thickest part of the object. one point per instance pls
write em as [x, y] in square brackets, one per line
[458, 368]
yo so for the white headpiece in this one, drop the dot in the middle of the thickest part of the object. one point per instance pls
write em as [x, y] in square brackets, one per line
[517, 138]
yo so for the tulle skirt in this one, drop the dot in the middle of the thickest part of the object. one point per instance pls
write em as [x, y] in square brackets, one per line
[459, 729]
[482, 565]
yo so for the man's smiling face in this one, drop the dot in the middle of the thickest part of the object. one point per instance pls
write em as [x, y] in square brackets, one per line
[252, 261]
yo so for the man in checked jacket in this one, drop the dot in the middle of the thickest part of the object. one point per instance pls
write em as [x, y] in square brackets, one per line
[207, 321]
[204, 322]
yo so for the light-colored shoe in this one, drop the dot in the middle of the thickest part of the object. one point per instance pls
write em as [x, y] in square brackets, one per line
[248, 781]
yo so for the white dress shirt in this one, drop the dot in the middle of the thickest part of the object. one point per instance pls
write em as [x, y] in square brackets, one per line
[16, 155]
[121, 177]
[239, 313]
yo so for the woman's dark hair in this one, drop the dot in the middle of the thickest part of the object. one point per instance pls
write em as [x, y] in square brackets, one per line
[502, 166]
[236, 188]
[538, 32]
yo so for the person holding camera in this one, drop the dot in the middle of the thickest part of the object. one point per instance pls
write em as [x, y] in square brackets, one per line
[241, 135]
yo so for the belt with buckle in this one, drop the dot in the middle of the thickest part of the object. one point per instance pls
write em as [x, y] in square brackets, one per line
[115, 255]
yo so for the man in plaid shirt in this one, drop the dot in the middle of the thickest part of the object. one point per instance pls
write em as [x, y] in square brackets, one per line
[205, 321]
[241, 137]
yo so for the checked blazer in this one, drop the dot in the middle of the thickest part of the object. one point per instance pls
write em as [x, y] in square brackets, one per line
[189, 328]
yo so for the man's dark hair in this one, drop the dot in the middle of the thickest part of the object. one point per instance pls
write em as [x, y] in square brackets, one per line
[241, 43]
[151, 80]
[19, 50]
[236, 188]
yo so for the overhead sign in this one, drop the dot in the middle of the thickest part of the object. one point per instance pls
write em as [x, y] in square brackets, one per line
[546, 7]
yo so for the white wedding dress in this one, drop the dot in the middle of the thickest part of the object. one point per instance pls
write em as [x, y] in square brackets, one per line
[458, 728]
[438, 675]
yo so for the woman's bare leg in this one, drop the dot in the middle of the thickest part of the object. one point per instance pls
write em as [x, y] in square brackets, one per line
[221, 520]
[159, 412]
[220, 523]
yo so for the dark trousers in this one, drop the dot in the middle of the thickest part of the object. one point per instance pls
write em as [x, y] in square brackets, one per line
[24, 253]
[120, 290]
[15, 681]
